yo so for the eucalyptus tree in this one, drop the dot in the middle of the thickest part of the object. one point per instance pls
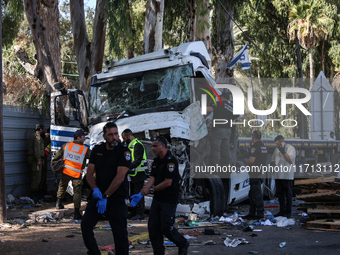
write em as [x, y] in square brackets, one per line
[153, 28]
[222, 37]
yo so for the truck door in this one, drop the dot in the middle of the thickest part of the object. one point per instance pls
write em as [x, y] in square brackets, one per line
[69, 113]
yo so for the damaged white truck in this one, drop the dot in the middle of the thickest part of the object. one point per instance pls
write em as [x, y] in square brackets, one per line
[150, 95]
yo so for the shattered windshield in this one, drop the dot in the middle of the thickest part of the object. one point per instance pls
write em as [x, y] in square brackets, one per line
[150, 89]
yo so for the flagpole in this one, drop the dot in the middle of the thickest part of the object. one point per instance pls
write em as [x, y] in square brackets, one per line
[252, 90]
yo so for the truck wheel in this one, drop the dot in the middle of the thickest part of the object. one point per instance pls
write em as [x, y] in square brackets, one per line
[226, 184]
[215, 191]
[271, 188]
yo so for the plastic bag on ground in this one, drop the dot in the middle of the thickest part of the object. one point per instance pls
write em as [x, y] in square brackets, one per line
[284, 221]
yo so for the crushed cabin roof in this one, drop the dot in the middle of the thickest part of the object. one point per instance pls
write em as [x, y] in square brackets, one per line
[155, 60]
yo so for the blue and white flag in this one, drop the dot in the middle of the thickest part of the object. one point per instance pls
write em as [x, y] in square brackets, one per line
[243, 57]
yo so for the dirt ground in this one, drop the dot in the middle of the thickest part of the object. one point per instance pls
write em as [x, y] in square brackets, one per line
[64, 236]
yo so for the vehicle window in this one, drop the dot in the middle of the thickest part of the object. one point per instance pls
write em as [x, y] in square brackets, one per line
[151, 89]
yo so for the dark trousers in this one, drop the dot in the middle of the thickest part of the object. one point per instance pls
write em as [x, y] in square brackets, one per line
[284, 190]
[161, 221]
[256, 197]
[135, 188]
[116, 213]
[77, 185]
[43, 184]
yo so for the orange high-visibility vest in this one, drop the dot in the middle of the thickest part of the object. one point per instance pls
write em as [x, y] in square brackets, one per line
[74, 155]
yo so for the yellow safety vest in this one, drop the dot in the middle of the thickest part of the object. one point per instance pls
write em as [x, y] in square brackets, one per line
[144, 164]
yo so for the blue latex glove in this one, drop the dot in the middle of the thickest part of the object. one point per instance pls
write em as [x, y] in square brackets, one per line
[135, 199]
[101, 204]
[97, 194]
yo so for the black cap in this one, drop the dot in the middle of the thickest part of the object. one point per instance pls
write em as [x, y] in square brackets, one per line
[79, 133]
[161, 139]
[226, 95]
[38, 127]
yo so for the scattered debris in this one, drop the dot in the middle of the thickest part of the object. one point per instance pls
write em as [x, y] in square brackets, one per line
[24, 200]
[183, 210]
[283, 244]
[23, 226]
[235, 242]
[284, 221]
[268, 213]
[192, 217]
[10, 198]
[201, 208]
[44, 217]
[189, 237]
[136, 238]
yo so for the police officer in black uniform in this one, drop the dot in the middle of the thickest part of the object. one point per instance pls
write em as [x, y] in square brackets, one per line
[165, 179]
[257, 157]
[111, 162]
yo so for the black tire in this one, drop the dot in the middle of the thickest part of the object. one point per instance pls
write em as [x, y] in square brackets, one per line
[216, 195]
[226, 184]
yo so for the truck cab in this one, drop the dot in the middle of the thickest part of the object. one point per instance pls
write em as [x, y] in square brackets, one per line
[153, 94]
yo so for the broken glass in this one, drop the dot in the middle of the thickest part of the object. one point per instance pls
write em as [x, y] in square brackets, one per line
[151, 89]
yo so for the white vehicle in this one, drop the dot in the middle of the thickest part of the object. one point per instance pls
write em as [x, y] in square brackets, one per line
[150, 95]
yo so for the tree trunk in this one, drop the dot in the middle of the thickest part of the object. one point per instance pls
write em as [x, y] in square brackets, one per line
[311, 68]
[203, 25]
[49, 13]
[223, 42]
[130, 53]
[153, 26]
[98, 40]
[192, 21]
[44, 68]
[82, 45]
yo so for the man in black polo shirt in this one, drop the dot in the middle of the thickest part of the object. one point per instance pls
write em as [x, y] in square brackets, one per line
[257, 157]
[111, 162]
[165, 178]
[220, 135]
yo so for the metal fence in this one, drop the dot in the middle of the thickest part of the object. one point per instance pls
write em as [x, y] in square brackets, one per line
[19, 124]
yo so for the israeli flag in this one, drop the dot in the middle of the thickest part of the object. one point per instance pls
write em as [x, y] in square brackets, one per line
[243, 57]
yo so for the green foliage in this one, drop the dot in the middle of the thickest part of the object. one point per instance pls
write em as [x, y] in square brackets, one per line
[175, 22]
[24, 39]
[335, 52]
[312, 23]
[267, 27]
[125, 26]
[12, 16]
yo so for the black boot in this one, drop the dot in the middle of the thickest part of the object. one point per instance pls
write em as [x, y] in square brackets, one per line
[59, 204]
[77, 215]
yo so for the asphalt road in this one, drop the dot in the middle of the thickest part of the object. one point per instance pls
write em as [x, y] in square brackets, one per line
[64, 237]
